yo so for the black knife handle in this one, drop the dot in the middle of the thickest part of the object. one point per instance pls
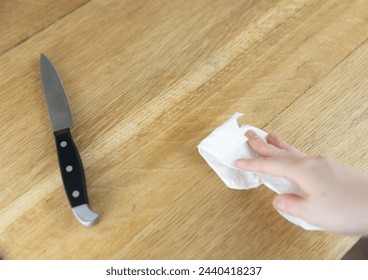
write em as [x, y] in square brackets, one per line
[71, 168]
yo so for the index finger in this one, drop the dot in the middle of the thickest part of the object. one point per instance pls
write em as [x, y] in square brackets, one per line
[276, 166]
[260, 146]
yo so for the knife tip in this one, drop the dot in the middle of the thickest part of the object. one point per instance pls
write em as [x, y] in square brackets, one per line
[42, 56]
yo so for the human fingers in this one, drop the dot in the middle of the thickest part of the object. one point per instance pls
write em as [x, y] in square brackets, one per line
[260, 146]
[276, 141]
[291, 204]
[277, 166]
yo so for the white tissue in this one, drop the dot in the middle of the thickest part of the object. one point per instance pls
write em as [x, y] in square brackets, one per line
[225, 145]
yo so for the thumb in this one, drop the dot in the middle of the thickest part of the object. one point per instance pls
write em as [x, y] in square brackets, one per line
[290, 204]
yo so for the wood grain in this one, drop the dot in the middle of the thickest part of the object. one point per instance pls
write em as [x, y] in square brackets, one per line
[20, 19]
[146, 81]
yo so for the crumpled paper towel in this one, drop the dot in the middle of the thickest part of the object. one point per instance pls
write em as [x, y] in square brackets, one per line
[225, 145]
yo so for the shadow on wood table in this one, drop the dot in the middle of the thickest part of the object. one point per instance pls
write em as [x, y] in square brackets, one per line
[359, 251]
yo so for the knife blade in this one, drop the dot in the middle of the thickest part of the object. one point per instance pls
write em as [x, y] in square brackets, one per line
[70, 163]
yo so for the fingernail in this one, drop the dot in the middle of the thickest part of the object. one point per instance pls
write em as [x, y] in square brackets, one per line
[251, 133]
[273, 135]
[277, 202]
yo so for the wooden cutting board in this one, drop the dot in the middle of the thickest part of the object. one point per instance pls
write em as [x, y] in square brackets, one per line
[146, 82]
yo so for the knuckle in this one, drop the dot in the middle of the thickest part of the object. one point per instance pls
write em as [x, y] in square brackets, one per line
[307, 163]
[312, 163]
[281, 153]
[323, 161]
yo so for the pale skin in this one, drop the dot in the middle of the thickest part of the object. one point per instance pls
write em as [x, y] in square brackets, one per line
[336, 196]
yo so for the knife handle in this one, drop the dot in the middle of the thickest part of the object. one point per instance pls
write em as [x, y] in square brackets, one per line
[71, 168]
[72, 172]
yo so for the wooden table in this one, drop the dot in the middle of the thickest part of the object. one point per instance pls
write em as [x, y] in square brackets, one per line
[146, 82]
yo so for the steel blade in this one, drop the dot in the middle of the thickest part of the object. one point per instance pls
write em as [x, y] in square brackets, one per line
[57, 104]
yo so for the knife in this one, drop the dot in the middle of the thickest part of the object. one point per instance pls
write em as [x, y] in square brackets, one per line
[70, 163]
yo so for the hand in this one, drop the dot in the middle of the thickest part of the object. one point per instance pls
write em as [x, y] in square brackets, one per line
[336, 196]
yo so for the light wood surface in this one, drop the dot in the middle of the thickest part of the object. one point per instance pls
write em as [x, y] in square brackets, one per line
[146, 82]
[21, 19]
